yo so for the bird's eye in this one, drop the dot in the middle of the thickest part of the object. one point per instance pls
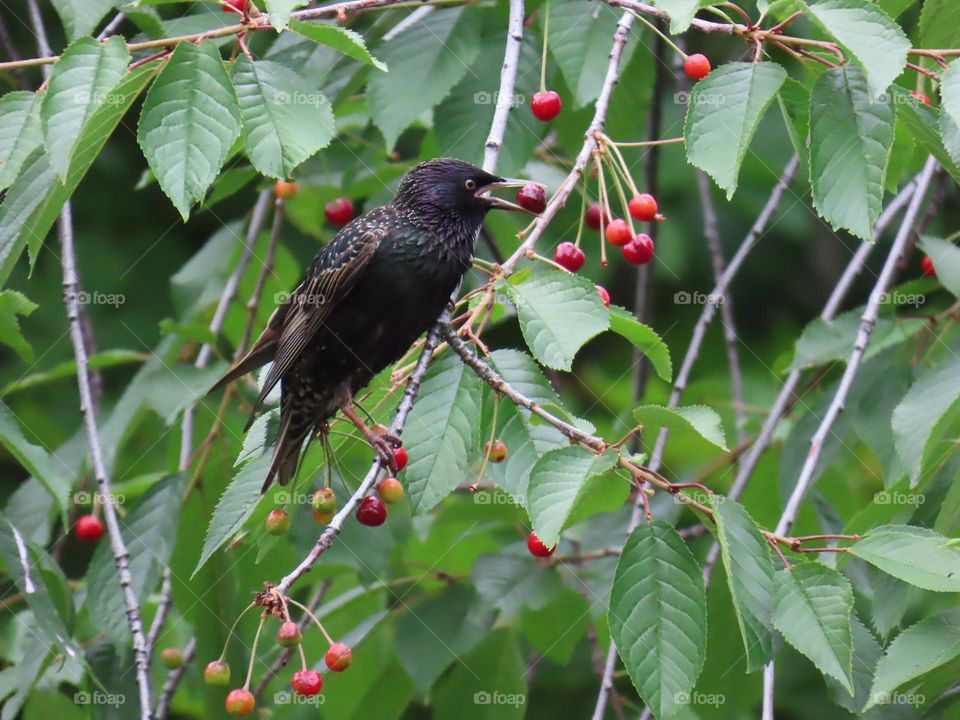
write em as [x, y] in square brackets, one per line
[470, 184]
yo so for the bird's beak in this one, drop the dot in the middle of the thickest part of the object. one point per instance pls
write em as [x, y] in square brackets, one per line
[485, 194]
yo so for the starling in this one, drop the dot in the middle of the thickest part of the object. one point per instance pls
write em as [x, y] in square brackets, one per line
[382, 281]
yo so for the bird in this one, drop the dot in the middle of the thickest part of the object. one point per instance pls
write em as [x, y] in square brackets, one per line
[380, 283]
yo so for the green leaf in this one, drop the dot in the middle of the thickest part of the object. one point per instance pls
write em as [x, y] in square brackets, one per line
[850, 141]
[939, 24]
[13, 304]
[488, 683]
[189, 121]
[149, 532]
[746, 556]
[658, 616]
[280, 10]
[82, 81]
[828, 341]
[560, 481]
[68, 369]
[917, 415]
[924, 123]
[425, 61]
[811, 608]
[81, 17]
[917, 650]
[946, 261]
[681, 12]
[239, 500]
[794, 101]
[579, 43]
[20, 132]
[513, 582]
[441, 430]
[699, 418]
[285, 120]
[34, 201]
[867, 34]
[916, 555]
[339, 38]
[644, 339]
[55, 477]
[950, 91]
[558, 313]
[725, 109]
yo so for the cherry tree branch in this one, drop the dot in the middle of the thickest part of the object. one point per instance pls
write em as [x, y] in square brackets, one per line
[712, 234]
[867, 323]
[705, 26]
[569, 184]
[118, 548]
[508, 79]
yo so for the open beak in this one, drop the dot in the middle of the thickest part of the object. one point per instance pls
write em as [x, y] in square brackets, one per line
[485, 194]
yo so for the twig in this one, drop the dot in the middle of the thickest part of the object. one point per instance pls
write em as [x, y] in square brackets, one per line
[112, 27]
[705, 26]
[163, 609]
[173, 679]
[569, 183]
[709, 310]
[118, 548]
[786, 398]
[867, 323]
[408, 22]
[732, 341]
[508, 77]
[253, 304]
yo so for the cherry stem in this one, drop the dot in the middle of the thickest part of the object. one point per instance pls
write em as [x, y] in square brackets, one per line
[655, 29]
[645, 143]
[543, 57]
[314, 618]
[234, 627]
[583, 212]
[620, 193]
[604, 209]
[493, 435]
[625, 169]
[740, 11]
[253, 652]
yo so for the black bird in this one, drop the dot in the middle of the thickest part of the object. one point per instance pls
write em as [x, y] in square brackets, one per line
[370, 292]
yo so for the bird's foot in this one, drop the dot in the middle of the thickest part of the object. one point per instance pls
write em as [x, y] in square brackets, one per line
[385, 444]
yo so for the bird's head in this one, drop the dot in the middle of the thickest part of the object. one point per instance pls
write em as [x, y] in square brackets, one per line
[452, 187]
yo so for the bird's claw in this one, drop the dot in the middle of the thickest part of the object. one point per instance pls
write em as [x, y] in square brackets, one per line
[385, 442]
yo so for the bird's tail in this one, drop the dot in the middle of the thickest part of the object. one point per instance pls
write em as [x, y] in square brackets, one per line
[294, 429]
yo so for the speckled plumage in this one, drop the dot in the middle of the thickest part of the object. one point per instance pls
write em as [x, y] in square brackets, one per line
[380, 283]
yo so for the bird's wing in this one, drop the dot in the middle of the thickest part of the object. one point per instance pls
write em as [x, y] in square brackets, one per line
[330, 279]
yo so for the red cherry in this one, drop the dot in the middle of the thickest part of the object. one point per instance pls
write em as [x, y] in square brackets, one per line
[927, 266]
[496, 451]
[240, 702]
[306, 682]
[922, 97]
[237, 6]
[277, 522]
[696, 66]
[400, 458]
[289, 634]
[532, 197]
[216, 673]
[594, 214]
[618, 233]
[390, 490]
[569, 256]
[285, 190]
[339, 212]
[604, 295]
[338, 657]
[89, 528]
[643, 207]
[546, 105]
[372, 512]
[639, 251]
[537, 548]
